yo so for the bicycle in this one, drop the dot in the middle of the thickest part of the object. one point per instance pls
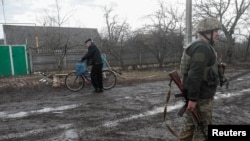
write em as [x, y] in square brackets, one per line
[76, 82]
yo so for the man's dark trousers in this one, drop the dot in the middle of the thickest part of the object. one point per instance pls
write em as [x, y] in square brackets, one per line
[96, 76]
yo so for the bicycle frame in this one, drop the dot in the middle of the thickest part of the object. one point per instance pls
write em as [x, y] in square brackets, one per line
[76, 82]
[87, 77]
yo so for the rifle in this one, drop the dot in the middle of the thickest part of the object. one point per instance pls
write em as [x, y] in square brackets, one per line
[175, 77]
[221, 72]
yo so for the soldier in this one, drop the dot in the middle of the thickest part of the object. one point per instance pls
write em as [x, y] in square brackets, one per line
[200, 78]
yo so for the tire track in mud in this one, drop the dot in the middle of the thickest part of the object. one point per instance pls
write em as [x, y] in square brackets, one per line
[234, 77]
[14, 136]
[108, 124]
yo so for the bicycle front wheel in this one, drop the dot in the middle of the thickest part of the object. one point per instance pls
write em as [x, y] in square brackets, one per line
[73, 82]
[109, 79]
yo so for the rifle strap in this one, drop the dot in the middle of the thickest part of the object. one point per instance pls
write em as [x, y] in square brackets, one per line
[165, 115]
[167, 99]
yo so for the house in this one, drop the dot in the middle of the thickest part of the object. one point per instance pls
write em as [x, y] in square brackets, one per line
[51, 47]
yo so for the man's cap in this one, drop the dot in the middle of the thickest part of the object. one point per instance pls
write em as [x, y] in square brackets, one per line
[89, 39]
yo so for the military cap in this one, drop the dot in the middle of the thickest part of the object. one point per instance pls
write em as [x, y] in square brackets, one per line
[208, 24]
[89, 39]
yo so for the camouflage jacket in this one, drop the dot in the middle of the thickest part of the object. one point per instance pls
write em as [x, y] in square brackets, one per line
[199, 69]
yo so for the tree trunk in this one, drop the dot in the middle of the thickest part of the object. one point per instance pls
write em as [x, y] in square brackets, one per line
[248, 44]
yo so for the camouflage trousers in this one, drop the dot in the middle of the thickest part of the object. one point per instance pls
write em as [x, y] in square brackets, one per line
[190, 126]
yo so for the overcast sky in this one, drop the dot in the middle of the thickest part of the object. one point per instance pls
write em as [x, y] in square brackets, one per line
[84, 13]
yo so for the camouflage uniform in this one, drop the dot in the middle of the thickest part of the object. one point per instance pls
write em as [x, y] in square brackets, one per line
[190, 125]
[200, 78]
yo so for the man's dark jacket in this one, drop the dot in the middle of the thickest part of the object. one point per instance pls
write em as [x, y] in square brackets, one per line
[93, 55]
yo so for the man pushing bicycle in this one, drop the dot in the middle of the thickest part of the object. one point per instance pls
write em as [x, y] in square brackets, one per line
[93, 57]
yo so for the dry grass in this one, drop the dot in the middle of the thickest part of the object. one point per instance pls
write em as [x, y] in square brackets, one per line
[137, 76]
[161, 74]
[127, 77]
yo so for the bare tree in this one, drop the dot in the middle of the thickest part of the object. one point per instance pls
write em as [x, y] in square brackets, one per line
[245, 33]
[166, 32]
[247, 48]
[231, 13]
[115, 36]
[56, 40]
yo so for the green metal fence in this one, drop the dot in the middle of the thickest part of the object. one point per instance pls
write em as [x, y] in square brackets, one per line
[14, 60]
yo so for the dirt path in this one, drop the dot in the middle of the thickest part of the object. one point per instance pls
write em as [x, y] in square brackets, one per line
[127, 112]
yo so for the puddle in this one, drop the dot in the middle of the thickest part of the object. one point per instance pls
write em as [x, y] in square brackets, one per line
[32, 132]
[114, 123]
[170, 108]
[71, 134]
[245, 90]
[226, 95]
[44, 110]
[148, 113]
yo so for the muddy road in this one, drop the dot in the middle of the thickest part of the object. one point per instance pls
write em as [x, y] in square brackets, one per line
[128, 112]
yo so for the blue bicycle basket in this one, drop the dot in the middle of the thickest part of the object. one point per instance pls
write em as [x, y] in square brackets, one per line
[81, 68]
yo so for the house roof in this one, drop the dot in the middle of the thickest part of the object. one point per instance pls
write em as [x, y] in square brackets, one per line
[44, 36]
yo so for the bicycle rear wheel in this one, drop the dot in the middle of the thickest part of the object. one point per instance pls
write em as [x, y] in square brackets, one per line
[73, 82]
[109, 79]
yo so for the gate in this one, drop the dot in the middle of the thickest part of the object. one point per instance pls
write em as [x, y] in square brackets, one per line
[14, 60]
